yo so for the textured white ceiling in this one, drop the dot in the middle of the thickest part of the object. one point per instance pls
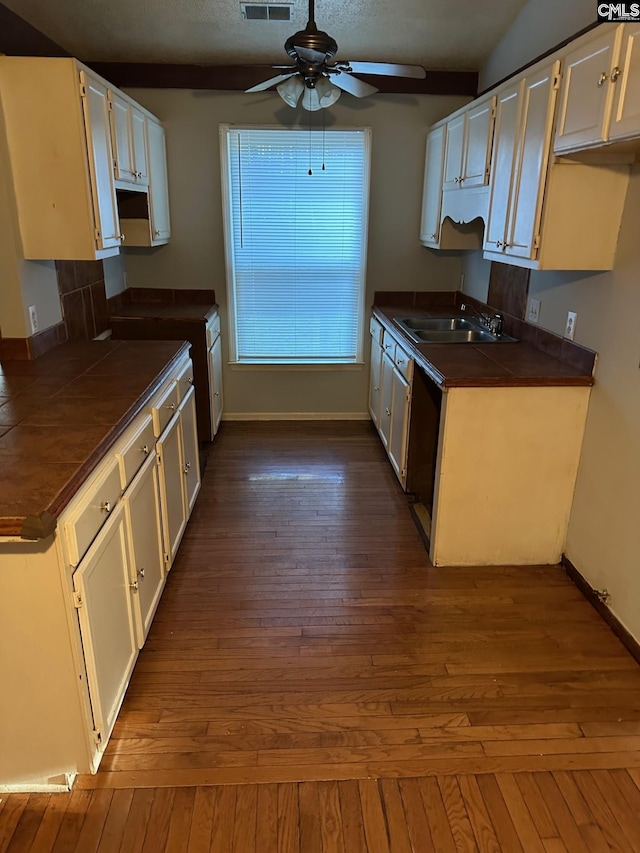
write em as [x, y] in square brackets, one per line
[439, 34]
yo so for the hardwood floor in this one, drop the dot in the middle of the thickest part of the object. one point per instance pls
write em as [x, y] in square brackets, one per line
[311, 682]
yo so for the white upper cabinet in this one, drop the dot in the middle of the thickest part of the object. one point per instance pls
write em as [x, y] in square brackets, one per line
[587, 91]
[159, 189]
[129, 143]
[433, 182]
[76, 149]
[625, 116]
[523, 133]
[600, 97]
[468, 147]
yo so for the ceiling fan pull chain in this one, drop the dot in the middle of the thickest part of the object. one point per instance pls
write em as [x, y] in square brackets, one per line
[310, 169]
[324, 130]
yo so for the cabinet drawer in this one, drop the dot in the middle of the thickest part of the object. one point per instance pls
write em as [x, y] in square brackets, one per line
[389, 345]
[164, 408]
[376, 330]
[91, 509]
[213, 330]
[404, 363]
[185, 379]
[131, 456]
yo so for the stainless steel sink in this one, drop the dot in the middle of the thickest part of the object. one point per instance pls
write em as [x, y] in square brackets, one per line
[449, 330]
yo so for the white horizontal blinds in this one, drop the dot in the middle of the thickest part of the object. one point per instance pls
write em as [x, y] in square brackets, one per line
[298, 242]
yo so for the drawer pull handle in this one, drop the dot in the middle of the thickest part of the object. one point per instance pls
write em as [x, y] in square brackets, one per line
[133, 586]
[187, 467]
[144, 449]
[171, 407]
[141, 573]
[106, 506]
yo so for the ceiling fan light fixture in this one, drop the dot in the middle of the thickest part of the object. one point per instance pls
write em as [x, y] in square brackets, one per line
[327, 92]
[290, 90]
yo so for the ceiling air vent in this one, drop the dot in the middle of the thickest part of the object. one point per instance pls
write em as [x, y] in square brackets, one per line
[265, 12]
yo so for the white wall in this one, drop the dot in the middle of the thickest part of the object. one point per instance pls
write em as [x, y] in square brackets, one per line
[603, 540]
[195, 256]
[541, 25]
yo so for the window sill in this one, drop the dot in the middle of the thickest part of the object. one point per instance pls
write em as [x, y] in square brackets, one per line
[278, 367]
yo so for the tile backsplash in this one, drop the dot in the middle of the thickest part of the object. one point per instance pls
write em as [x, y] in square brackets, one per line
[83, 298]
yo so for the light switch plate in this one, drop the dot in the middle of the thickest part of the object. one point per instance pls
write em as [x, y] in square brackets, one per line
[33, 319]
[570, 329]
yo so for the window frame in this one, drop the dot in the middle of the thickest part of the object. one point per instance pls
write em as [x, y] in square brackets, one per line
[290, 363]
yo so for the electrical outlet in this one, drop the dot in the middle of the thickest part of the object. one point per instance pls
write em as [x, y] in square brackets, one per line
[534, 310]
[33, 319]
[570, 328]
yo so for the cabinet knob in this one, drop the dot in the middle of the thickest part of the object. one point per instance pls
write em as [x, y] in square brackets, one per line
[144, 449]
[122, 238]
[603, 78]
[157, 233]
[141, 573]
[133, 586]
[388, 411]
[171, 407]
[216, 393]
[106, 506]
[189, 380]
[377, 388]
[615, 73]
[187, 467]
[499, 244]
[432, 236]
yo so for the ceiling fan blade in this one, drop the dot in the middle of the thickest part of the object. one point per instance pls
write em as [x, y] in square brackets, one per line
[388, 69]
[272, 81]
[352, 85]
[310, 55]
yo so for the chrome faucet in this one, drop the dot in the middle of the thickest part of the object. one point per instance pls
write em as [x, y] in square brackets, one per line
[491, 322]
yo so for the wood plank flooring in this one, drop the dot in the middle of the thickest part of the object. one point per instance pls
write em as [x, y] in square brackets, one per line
[311, 682]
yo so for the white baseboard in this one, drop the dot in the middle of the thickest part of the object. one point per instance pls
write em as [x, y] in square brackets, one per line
[57, 785]
[296, 416]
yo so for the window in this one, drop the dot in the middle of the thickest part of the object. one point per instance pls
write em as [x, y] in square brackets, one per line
[295, 243]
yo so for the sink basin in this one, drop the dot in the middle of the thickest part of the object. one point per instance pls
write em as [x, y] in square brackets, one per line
[436, 324]
[449, 330]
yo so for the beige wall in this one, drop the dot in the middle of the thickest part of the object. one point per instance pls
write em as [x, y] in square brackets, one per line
[541, 25]
[195, 255]
[603, 540]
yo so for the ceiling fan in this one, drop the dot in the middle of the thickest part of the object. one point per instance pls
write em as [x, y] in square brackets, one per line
[320, 80]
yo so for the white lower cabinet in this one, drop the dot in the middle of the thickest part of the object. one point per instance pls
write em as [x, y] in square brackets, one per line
[75, 609]
[214, 359]
[375, 373]
[103, 596]
[392, 397]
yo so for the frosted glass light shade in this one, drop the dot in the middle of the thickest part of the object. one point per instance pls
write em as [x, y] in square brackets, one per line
[327, 92]
[290, 90]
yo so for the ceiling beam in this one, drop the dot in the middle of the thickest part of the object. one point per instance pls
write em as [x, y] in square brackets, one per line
[18, 38]
[241, 77]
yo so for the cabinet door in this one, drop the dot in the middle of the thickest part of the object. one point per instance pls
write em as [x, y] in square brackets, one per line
[216, 397]
[386, 398]
[123, 161]
[454, 151]
[172, 499]
[374, 381]
[107, 625]
[158, 187]
[139, 145]
[625, 120]
[503, 164]
[536, 126]
[144, 527]
[587, 94]
[96, 116]
[479, 136]
[398, 443]
[432, 190]
[190, 456]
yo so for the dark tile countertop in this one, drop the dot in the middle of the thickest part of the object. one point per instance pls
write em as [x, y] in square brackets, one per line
[160, 311]
[483, 365]
[60, 414]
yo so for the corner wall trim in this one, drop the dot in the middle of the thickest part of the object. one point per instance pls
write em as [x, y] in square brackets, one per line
[630, 643]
